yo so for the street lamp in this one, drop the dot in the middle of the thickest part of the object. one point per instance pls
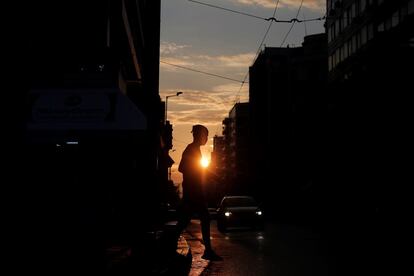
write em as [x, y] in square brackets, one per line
[166, 102]
[170, 128]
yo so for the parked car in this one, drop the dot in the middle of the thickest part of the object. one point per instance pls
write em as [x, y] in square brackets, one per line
[239, 211]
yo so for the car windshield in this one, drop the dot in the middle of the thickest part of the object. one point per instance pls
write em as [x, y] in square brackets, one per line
[239, 201]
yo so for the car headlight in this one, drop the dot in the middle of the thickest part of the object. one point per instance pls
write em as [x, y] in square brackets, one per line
[227, 214]
[259, 213]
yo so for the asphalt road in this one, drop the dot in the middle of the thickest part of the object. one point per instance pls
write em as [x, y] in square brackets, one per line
[278, 250]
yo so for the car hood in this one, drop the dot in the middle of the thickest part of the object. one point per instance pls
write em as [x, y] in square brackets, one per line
[241, 209]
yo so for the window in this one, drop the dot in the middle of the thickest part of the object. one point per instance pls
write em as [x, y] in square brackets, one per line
[354, 43]
[337, 27]
[343, 56]
[344, 21]
[338, 55]
[395, 20]
[364, 35]
[403, 12]
[330, 63]
[358, 38]
[362, 5]
[337, 4]
[348, 16]
[353, 11]
[381, 27]
[345, 48]
[329, 35]
[411, 7]
[239, 202]
[388, 23]
[370, 31]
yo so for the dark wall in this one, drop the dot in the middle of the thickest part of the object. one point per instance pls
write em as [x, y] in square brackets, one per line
[287, 87]
[75, 200]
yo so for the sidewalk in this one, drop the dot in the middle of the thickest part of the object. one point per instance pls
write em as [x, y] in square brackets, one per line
[155, 257]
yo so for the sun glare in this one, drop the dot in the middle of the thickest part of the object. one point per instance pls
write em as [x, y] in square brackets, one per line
[204, 162]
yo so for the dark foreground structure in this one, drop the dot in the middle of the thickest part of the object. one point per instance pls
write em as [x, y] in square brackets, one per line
[90, 138]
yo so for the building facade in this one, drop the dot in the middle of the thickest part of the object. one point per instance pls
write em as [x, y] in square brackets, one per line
[219, 170]
[367, 34]
[230, 164]
[371, 57]
[287, 86]
[371, 52]
[92, 134]
[238, 148]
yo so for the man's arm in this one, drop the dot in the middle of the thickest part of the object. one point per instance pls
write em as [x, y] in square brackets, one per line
[189, 164]
[183, 167]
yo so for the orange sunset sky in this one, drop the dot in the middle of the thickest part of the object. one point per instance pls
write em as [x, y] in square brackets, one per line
[222, 43]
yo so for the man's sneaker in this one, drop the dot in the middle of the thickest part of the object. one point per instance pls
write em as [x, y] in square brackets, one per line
[211, 255]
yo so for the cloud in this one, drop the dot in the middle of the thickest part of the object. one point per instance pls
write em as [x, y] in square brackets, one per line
[230, 66]
[311, 4]
[168, 48]
[206, 100]
[233, 89]
[206, 107]
[241, 60]
[199, 117]
[209, 61]
[230, 88]
[234, 61]
[184, 61]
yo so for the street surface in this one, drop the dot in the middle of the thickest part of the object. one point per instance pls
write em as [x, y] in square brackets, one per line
[278, 250]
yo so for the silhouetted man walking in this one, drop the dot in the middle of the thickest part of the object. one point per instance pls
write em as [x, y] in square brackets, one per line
[194, 200]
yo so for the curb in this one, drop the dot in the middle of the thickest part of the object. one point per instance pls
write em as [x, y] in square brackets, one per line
[180, 262]
[160, 256]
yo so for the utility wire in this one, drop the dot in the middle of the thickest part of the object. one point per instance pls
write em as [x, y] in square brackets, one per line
[272, 19]
[291, 26]
[306, 29]
[267, 31]
[296, 20]
[258, 51]
[229, 10]
[201, 72]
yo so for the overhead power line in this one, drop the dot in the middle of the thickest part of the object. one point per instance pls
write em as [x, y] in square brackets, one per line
[201, 72]
[258, 50]
[306, 29]
[296, 20]
[229, 10]
[267, 31]
[293, 24]
[272, 19]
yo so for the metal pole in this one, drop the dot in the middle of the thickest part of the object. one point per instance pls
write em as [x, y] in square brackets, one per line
[166, 108]
[166, 103]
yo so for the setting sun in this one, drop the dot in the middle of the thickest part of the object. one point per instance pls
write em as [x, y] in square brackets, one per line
[204, 162]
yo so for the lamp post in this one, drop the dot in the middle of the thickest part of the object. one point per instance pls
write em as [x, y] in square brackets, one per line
[166, 102]
[165, 123]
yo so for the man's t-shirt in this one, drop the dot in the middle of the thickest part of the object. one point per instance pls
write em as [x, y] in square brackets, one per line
[192, 171]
